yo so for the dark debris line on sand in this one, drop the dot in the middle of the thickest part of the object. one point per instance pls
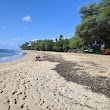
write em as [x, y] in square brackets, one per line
[67, 70]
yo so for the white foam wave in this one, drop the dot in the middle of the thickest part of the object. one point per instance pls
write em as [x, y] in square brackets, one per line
[8, 58]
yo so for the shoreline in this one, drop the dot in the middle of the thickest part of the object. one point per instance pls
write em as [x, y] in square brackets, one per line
[41, 85]
[13, 57]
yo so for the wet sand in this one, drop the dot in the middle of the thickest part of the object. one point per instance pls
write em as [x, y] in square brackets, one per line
[62, 81]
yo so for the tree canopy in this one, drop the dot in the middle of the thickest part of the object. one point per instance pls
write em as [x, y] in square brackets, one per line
[59, 45]
[92, 32]
[95, 24]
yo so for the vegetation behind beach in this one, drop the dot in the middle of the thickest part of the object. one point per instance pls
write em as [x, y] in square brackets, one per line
[92, 34]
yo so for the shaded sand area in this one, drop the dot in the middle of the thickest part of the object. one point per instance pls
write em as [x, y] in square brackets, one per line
[62, 81]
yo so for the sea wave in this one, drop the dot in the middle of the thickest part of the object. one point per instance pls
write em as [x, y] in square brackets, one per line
[13, 57]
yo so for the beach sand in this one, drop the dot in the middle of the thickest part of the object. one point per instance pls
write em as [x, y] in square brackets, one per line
[62, 81]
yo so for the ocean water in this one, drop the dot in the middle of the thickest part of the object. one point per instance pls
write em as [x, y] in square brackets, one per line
[8, 55]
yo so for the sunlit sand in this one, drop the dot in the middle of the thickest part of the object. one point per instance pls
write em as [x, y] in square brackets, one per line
[39, 85]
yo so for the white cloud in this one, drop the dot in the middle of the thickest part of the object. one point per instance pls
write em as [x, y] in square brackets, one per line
[34, 40]
[27, 18]
[4, 27]
[12, 43]
[26, 28]
[9, 45]
[18, 38]
[3, 43]
[69, 35]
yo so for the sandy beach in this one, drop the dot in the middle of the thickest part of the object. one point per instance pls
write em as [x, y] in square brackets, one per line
[62, 81]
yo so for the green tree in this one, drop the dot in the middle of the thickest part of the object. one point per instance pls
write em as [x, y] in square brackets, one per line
[66, 46]
[26, 46]
[104, 22]
[94, 26]
[48, 45]
[75, 42]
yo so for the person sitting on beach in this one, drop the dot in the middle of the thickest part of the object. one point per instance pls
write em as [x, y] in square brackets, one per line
[38, 58]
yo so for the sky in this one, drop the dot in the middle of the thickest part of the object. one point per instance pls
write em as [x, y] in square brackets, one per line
[26, 20]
